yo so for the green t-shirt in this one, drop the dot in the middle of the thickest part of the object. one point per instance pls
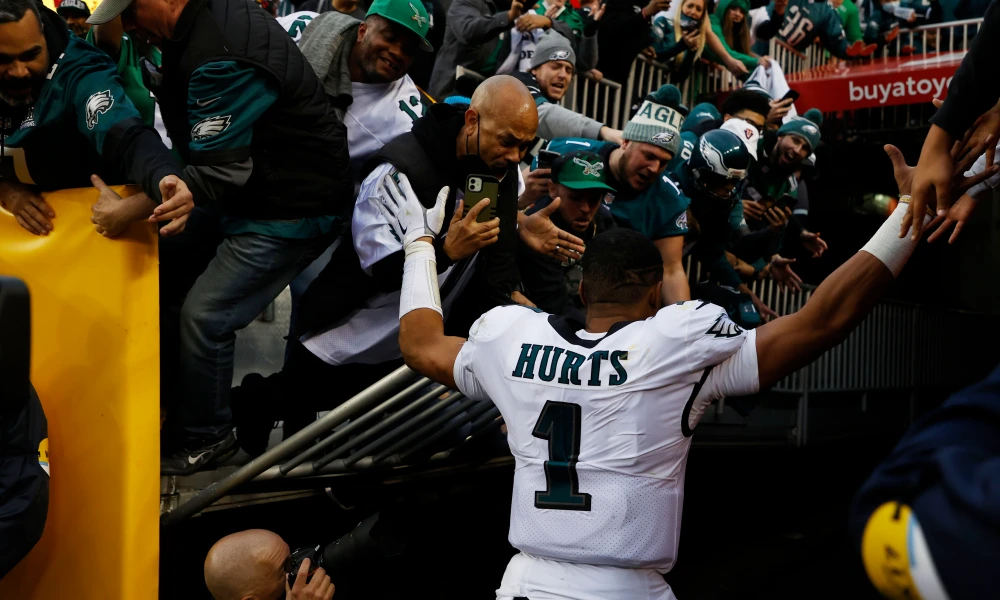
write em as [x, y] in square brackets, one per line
[130, 71]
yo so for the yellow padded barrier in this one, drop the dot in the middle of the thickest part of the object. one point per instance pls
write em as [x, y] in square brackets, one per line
[95, 364]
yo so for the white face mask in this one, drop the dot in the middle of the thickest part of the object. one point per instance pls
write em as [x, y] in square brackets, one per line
[890, 7]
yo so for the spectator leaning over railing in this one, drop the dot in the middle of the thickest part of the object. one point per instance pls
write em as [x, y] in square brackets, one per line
[263, 215]
[347, 315]
[579, 185]
[680, 42]
[646, 199]
[703, 117]
[713, 179]
[804, 21]
[623, 34]
[731, 24]
[771, 195]
[529, 28]
[849, 19]
[473, 39]
[60, 96]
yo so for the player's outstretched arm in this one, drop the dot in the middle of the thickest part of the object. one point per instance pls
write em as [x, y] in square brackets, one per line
[845, 297]
[425, 347]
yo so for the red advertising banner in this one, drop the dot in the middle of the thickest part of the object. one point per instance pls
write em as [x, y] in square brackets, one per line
[881, 82]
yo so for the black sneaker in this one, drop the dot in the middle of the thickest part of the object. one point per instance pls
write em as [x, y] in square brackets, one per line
[250, 403]
[197, 457]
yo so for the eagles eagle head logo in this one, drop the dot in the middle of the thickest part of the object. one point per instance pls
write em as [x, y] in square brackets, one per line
[559, 55]
[664, 137]
[99, 103]
[206, 128]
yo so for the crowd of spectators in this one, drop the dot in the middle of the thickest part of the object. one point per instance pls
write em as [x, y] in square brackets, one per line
[324, 97]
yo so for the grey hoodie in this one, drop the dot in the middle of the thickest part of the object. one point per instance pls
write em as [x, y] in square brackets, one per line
[327, 44]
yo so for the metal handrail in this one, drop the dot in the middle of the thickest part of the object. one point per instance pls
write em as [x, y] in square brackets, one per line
[398, 379]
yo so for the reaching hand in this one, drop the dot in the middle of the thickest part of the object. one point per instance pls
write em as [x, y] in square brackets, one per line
[813, 243]
[654, 7]
[536, 185]
[978, 140]
[540, 234]
[736, 67]
[404, 212]
[690, 39]
[766, 314]
[781, 271]
[520, 298]
[108, 217]
[957, 216]
[29, 209]
[597, 14]
[764, 61]
[178, 202]
[649, 52]
[465, 236]
[777, 217]
[532, 21]
[753, 209]
[319, 586]
[779, 109]
[516, 8]
[594, 74]
[908, 178]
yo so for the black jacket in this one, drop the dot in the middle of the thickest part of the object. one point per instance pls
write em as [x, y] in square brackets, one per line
[621, 35]
[299, 146]
[427, 156]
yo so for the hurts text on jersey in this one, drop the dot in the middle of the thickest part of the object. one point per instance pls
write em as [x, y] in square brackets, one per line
[551, 363]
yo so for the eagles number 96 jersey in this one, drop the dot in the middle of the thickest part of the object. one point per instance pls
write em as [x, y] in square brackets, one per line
[600, 424]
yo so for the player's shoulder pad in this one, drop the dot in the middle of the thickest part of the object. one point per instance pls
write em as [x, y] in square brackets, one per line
[495, 322]
[693, 317]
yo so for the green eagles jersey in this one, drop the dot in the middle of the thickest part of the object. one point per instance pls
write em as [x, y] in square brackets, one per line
[130, 71]
[59, 141]
[688, 140]
[805, 21]
[659, 211]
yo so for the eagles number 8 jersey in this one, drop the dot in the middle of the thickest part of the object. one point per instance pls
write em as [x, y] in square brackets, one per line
[600, 424]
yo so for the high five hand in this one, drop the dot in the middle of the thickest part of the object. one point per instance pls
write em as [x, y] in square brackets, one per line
[404, 212]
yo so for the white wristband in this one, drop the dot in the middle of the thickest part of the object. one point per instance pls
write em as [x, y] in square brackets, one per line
[887, 246]
[420, 282]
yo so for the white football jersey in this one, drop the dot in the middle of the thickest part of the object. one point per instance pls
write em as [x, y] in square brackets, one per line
[380, 113]
[600, 424]
[295, 24]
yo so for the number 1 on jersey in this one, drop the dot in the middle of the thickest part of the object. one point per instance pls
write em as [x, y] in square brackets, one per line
[560, 423]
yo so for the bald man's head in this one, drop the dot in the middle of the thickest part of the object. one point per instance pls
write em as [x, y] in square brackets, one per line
[249, 565]
[500, 123]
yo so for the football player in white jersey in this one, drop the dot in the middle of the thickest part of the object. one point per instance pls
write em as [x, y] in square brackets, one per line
[600, 415]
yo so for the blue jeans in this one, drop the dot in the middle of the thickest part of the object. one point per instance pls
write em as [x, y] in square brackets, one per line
[246, 274]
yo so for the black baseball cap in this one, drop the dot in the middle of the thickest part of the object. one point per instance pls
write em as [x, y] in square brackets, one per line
[76, 8]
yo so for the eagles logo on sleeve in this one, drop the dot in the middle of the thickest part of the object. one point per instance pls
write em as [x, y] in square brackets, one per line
[99, 103]
[206, 128]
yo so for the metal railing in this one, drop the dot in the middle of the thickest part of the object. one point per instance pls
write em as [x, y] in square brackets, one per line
[954, 36]
[391, 423]
[599, 100]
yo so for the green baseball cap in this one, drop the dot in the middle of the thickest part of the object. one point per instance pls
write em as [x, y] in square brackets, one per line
[411, 14]
[581, 170]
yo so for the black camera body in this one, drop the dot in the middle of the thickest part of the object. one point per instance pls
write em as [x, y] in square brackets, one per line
[371, 540]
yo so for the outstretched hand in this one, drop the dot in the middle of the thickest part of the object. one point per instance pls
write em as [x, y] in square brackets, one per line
[178, 202]
[540, 234]
[781, 271]
[465, 236]
[908, 178]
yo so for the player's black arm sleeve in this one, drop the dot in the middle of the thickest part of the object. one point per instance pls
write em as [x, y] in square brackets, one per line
[141, 155]
[976, 85]
[769, 29]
